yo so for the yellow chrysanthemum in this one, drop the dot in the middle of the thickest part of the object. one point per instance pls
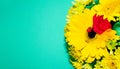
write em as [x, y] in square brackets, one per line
[84, 1]
[77, 65]
[108, 62]
[76, 9]
[117, 55]
[86, 66]
[79, 6]
[108, 8]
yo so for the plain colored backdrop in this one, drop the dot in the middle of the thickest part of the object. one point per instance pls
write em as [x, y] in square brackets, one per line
[32, 34]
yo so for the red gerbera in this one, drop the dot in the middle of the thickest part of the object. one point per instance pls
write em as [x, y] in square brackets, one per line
[100, 24]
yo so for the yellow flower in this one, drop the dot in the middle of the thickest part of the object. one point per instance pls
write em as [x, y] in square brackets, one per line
[77, 8]
[84, 1]
[77, 65]
[83, 48]
[117, 55]
[108, 62]
[98, 65]
[108, 8]
[86, 66]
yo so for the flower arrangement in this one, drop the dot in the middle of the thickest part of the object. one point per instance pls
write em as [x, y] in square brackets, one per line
[93, 34]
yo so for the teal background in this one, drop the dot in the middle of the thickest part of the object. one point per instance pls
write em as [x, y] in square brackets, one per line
[31, 34]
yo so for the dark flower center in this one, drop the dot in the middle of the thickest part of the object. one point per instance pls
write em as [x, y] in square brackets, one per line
[91, 33]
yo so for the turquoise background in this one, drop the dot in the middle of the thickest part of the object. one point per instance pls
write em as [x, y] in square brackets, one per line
[31, 34]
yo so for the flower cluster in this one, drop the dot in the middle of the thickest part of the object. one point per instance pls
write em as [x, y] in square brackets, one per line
[93, 34]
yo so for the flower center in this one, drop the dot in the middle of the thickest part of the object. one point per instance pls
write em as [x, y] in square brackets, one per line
[91, 33]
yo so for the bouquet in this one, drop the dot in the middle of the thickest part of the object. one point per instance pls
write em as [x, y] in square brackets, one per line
[92, 33]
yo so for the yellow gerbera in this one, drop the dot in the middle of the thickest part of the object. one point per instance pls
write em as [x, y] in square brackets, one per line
[108, 8]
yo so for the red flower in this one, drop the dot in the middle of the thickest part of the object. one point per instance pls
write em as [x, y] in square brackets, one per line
[100, 25]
